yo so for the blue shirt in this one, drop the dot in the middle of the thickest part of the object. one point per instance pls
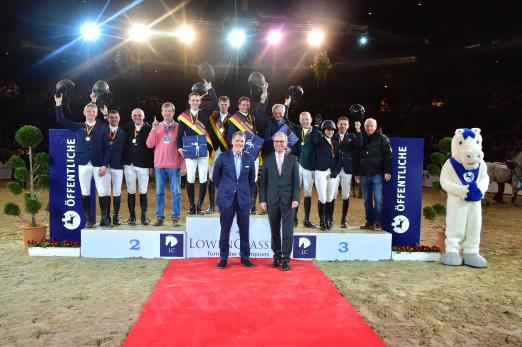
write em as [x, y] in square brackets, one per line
[237, 163]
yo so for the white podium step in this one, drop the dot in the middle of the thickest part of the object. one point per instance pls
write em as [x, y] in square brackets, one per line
[201, 239]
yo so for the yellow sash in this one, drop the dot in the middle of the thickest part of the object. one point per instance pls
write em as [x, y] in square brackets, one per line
[217, 131]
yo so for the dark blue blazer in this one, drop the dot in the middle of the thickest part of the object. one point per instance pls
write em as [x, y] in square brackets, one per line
[324, 158]
[96, 150]
[351, 142]
[117, 148]
[259, 118]
[203, 115]
[228, 185]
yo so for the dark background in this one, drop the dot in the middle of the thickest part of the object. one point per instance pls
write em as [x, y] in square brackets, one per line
[426, 70]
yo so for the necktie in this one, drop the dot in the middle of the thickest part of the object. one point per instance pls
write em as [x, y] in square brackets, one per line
[279, 163]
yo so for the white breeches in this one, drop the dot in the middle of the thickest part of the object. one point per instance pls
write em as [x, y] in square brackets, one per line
[463, 224]
[131, 174]
[345, 180]
[256, 167]
[217, 152]
[114, 179]
[200, 164]
[326, 186]
[86, 173]
[306, 177]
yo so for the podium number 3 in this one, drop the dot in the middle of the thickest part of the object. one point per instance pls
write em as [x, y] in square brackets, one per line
[135, 245]
[343, 247]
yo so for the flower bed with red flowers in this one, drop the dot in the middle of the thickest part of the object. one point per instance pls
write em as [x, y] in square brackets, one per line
[53, 243]
[416, 249]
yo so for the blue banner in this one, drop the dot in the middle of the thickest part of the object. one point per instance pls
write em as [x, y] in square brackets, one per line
[402, 206]
[66, 215]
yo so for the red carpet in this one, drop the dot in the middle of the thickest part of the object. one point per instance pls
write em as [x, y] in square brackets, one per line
[196, 304]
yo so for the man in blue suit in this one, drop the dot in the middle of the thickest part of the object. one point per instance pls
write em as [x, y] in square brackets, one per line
[234, 177]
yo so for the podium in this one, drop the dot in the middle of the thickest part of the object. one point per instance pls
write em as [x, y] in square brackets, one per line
[200, 238]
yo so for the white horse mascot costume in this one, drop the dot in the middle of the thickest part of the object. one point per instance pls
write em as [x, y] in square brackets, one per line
[464, 177]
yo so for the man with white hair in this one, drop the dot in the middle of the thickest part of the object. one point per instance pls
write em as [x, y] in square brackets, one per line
[375, 165]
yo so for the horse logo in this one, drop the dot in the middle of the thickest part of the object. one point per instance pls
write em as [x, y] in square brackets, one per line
[304, 242]
[400, 224]
[171, 241]
[469, 176]
[71, 220]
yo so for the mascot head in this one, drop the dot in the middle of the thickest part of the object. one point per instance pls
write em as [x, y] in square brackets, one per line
[466, 147]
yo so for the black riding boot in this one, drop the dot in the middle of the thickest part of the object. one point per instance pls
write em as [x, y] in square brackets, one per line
[307, 206]
[104, 209]
[321, 210]
[116, 214]
[131, 202]
[143, 205]
[190, 193]
[346, 204]
[327, 208]
[86, 204]
[201, 198]
[330, 217]
[211, 196]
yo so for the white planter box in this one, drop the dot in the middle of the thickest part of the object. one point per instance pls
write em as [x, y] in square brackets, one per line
[54, 251]
[416, 256]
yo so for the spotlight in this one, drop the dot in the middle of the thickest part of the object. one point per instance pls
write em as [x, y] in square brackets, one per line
[139, 32]
[274, 37]
[363, 40]
[237, 38]
[315, 38]
[90, 31]
[186, 34]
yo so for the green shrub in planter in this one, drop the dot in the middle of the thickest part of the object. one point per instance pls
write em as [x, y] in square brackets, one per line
[33, 175]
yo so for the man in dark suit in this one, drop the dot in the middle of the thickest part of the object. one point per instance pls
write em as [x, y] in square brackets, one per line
[234, 177]
[279, 195]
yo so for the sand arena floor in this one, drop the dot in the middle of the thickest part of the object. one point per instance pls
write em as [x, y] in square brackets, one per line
[93, 302]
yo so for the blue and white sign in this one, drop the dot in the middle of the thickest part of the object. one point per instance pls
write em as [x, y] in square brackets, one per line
[66, 216]
[401, 214]
[304, 246]
[354, 246]
[194, 146]
[172, 245]
[203, 237]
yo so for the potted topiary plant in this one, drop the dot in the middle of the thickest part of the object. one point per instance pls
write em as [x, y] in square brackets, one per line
[28, 178]
[436, 211]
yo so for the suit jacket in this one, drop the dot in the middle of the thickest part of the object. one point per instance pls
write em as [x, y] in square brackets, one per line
[96, 150]
[326, 157]
[117, 147]
[228, 185]
[350, 143]
[258, 118]
[138, 153]
[281, 189]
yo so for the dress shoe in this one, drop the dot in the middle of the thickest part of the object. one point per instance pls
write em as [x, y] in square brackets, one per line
[276, 263]
[343, 224]
[131, 221]
[158, 222]
[247, 262]
[377, 226]
[308, 224]
[222, 264]
[367, 226]
[285, 266]
[144, 220]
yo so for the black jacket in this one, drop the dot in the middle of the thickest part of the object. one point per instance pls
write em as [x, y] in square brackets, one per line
[351, 142]
[326, 157]
[117, 146]
[138, 154]
[376, 155]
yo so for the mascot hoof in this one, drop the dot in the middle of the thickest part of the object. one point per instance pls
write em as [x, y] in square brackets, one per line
[452, 259]
[475, 260]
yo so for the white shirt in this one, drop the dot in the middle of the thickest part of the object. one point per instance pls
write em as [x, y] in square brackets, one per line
[113, 129]
[341, 137]
[194, 113]
[138, 127]
[222, 116]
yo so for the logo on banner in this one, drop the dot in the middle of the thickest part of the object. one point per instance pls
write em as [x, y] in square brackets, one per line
[469, 176]
[305, 246]
[400, 224]
[171, 245]
[71, 220]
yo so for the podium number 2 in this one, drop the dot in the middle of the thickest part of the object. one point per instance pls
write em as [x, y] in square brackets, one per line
[343, 247]
[135, 245]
